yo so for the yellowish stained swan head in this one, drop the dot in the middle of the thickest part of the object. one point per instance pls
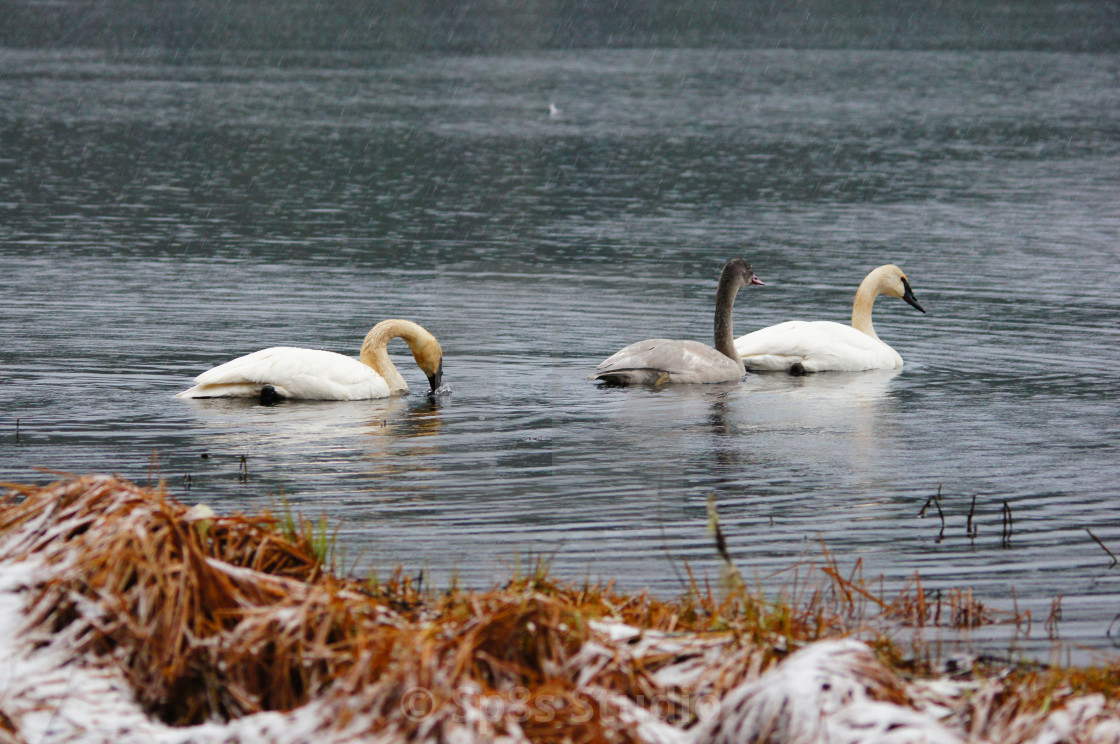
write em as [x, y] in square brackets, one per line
[429, 357]
[887, 279]
[425, 350]
[893, 283]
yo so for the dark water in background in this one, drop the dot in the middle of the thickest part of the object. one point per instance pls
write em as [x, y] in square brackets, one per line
[162, 211]
[284, 27]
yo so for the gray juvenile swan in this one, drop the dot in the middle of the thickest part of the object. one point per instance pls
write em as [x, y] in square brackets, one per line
[661, 361]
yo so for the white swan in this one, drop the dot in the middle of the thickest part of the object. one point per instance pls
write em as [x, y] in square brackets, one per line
[311, 374]
[659, 361]
[800, 346]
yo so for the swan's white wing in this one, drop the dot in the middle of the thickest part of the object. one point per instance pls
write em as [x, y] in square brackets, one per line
[663, 360]
[817, 346]
[310, 374]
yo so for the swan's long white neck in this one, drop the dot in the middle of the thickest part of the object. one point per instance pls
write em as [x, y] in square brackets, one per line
[375, 351]
[868, 290]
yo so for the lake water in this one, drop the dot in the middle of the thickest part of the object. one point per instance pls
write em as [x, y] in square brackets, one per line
[163, 212]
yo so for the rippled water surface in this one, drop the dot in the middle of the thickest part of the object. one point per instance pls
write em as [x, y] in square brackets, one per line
[162, 214]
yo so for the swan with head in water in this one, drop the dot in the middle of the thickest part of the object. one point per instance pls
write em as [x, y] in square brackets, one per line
[799, 346]
[660, 361]
[312, 374]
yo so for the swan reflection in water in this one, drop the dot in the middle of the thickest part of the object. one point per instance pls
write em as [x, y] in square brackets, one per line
[744, 438]
[830, 424]
[335, 439]
[403, 443]
[843, 389]
[781, 448]
[831, 398]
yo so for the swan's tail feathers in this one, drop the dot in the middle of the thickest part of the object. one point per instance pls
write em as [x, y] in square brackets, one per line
[622, 377]
[190, 393]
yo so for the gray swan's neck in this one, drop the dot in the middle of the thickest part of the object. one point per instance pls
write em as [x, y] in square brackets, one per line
[725, 303]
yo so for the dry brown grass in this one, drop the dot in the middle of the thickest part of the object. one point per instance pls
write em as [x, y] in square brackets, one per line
[9, 734]
[214, 618]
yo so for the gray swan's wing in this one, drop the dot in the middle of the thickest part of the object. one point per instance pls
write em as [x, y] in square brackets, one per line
[660, 360]
[624, 356]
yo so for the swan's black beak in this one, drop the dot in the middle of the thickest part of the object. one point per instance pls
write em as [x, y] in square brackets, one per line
[908, 295]
[437, 379]
[756, 280]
